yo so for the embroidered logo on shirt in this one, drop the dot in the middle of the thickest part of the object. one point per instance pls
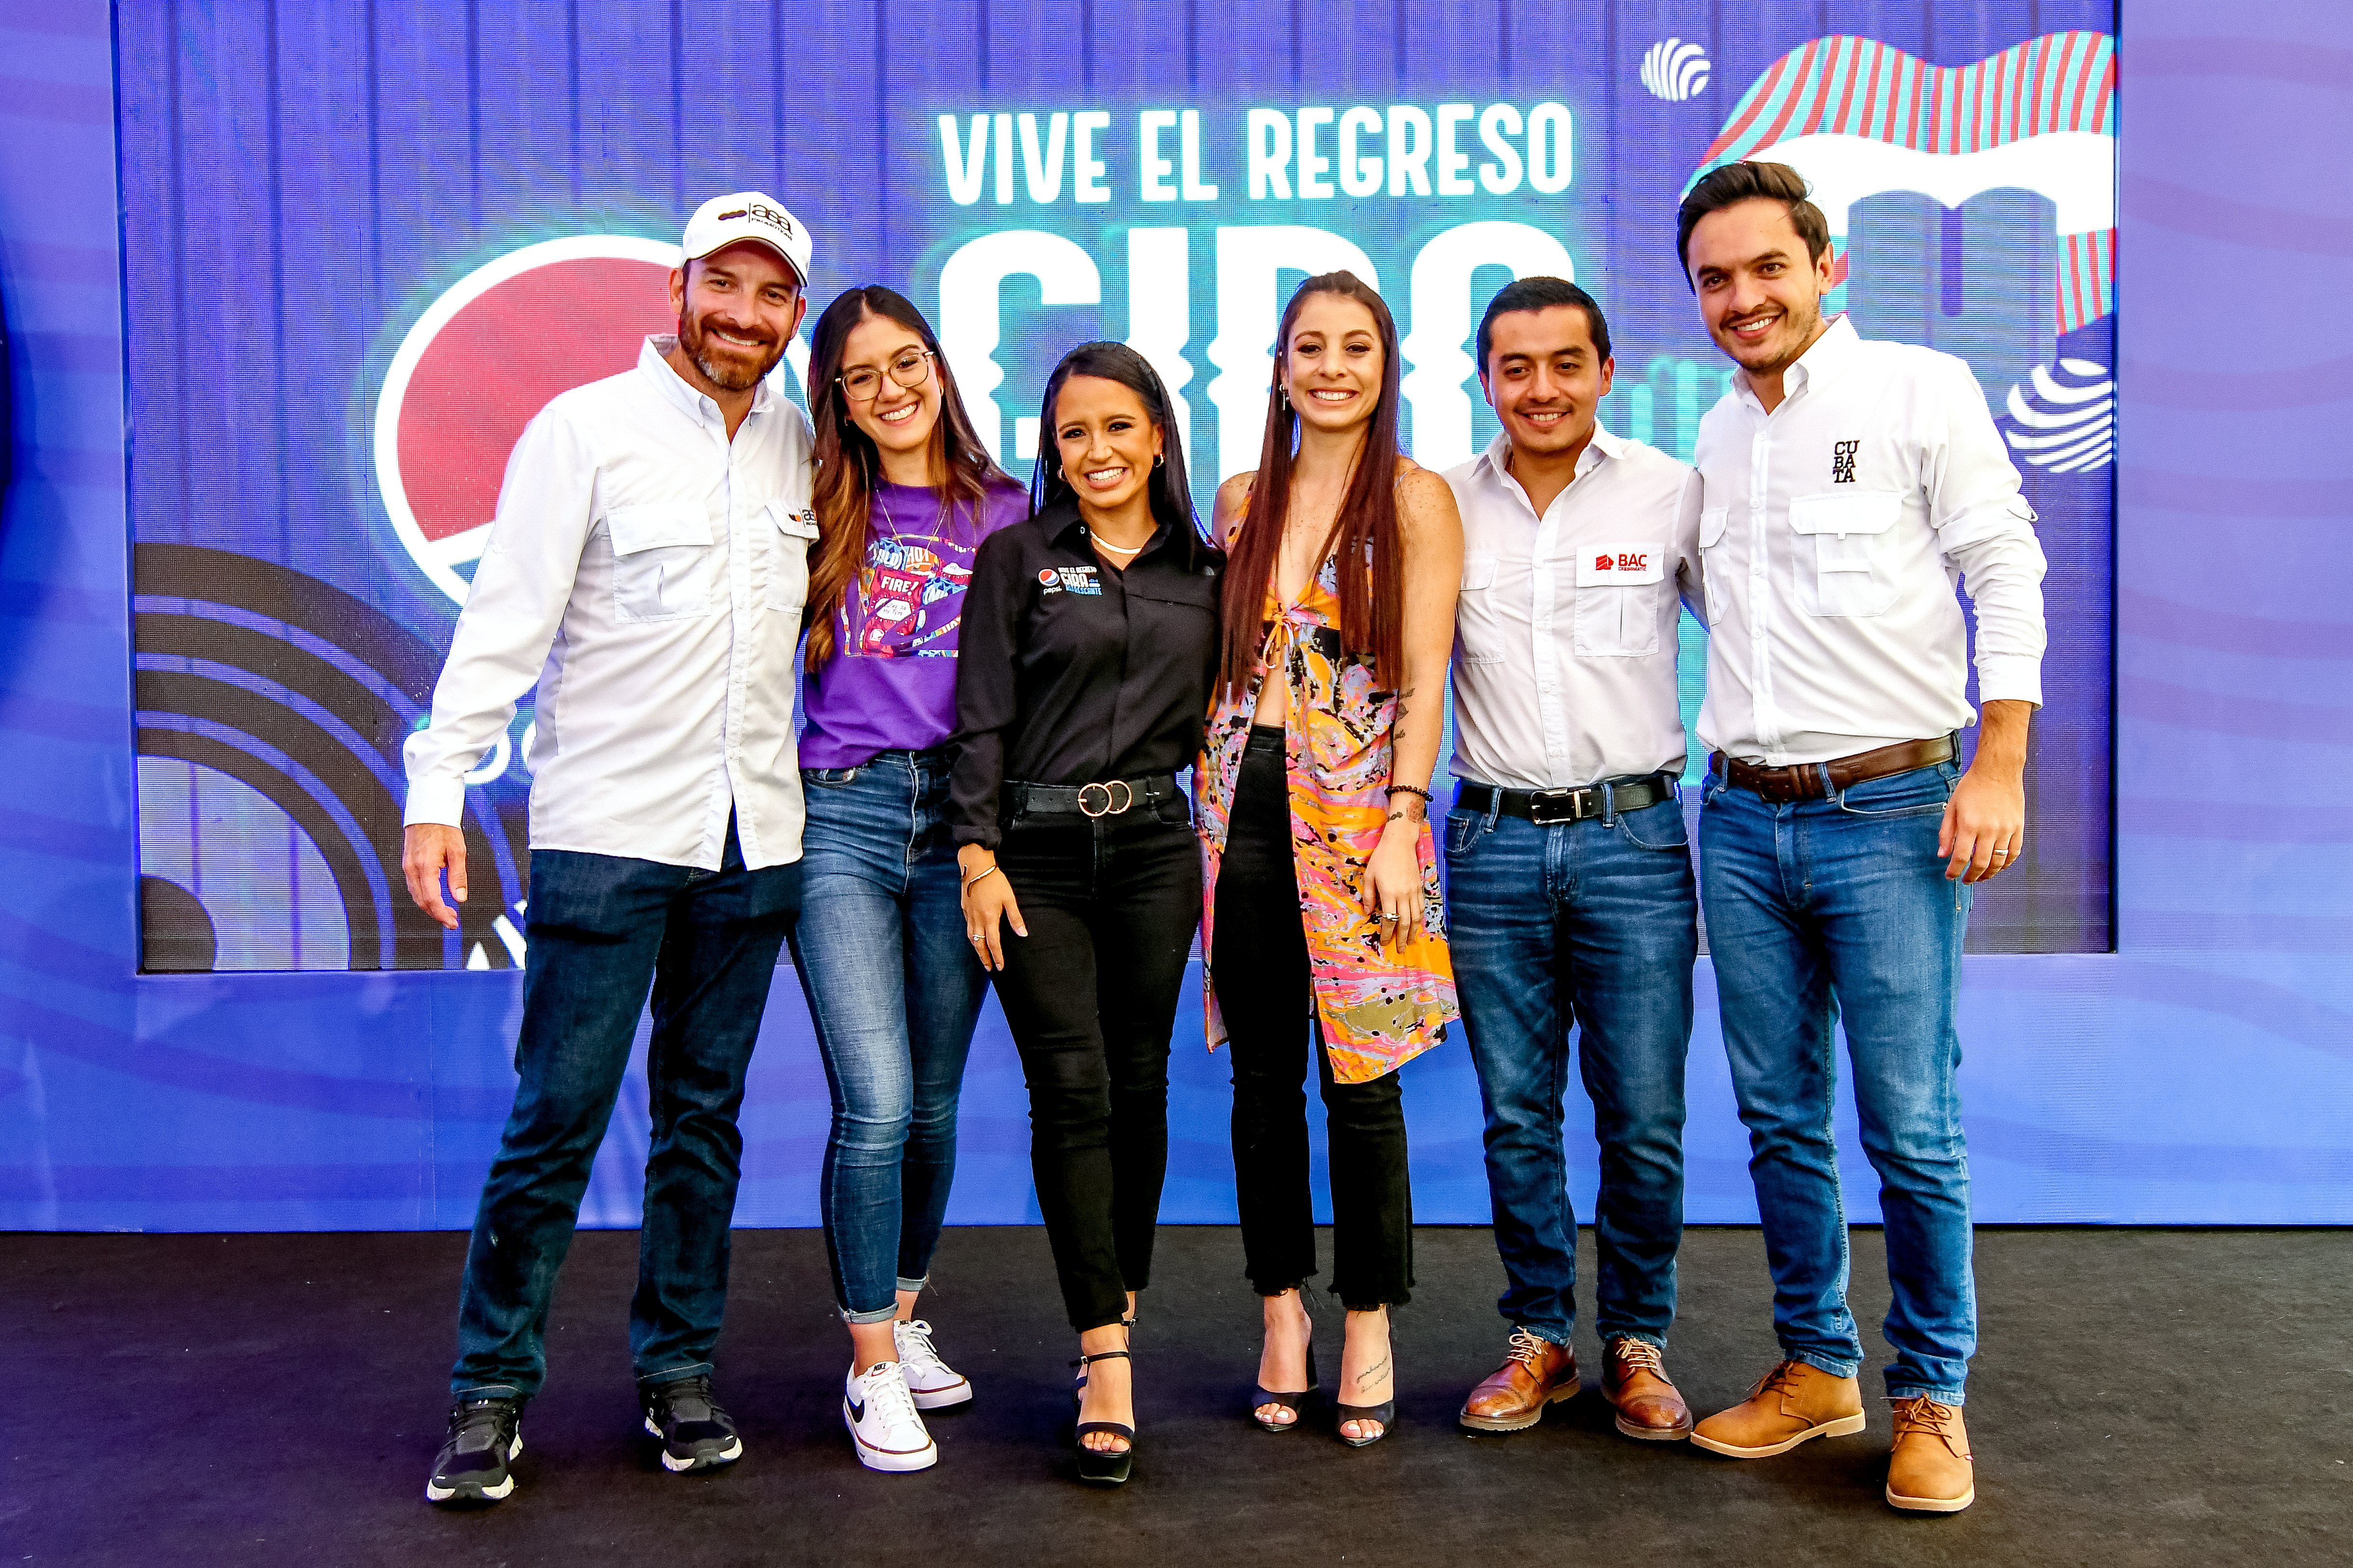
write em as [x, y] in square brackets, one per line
[1623, 561]
[1843, 462]
[1079, 580]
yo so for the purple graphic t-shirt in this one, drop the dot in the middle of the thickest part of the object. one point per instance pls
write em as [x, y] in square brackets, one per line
[890, 683]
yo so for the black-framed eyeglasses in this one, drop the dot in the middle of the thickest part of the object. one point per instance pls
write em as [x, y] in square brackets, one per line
[863, 383]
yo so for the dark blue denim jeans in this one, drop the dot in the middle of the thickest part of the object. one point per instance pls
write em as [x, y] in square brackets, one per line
[1830, 912]
[895, 990]
[1593, 925]
[604, 929]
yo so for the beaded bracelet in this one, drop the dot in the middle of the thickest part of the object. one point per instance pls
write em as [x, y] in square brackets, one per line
[1413, 789]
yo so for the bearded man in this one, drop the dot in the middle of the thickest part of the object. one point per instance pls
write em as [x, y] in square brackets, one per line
[646, 569]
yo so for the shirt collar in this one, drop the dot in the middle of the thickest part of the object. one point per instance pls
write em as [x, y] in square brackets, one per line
[1823, 357]
[1496, 460]
[653, 361]
[1065, 528]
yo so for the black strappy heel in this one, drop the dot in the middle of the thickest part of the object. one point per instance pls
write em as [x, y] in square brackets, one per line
[1078, 1385]
[1102, 1468]
[1385, 1412]
[1291, 1402]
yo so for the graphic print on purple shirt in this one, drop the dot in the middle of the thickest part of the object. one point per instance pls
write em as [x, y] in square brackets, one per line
[890, 683]
[909, 600]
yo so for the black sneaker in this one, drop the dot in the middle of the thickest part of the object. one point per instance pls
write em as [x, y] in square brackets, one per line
[695, 1432]
[485, 1435]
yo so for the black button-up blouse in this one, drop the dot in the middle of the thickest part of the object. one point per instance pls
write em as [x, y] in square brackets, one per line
[1069, 672]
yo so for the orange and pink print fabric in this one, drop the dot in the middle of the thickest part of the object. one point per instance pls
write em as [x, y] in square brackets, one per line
[1378, 1011]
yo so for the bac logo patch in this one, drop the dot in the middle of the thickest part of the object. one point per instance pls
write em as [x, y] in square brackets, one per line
[1623, 561]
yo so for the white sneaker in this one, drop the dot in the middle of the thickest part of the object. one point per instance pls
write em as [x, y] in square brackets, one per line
[881, 1414]
[935, 1383]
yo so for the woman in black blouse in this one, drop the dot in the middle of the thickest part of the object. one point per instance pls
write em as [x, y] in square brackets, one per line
[1087, 650]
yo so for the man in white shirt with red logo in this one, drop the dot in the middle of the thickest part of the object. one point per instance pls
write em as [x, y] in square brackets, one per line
[647, 570]
[1569, 888]
[1848, 484]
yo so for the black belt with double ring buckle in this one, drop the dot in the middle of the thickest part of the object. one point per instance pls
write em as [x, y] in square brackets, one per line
[1550, 808]
[1110, 797]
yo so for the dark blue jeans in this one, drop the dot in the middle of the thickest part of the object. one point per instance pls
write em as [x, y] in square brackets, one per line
[895, 990]
[1590, 924]
[604, 930]
[1832, 911]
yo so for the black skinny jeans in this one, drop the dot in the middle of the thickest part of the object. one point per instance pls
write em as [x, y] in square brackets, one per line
[1090, 996]
[1261, 968]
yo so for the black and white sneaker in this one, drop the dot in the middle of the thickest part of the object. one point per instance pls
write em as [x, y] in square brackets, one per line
[471, 1471]
[695, 1432]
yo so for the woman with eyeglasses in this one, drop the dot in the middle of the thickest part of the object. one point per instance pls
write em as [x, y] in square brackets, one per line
[1322, 903]
[1090, 644]
[905, 493]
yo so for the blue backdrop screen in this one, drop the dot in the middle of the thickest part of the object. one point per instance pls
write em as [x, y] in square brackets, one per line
[364, 242]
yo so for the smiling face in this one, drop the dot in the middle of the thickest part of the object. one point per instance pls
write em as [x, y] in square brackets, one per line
[1544, 377]
[1332, 363]
[897, 419]
[737, 308]
[1759, 292]
[1105, 442]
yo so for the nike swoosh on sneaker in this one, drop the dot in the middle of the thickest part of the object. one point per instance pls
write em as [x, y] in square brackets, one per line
[857, 1411]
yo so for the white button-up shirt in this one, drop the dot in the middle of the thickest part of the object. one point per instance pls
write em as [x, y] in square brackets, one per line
[1834, 531]
[1565, 634]
[648, 574]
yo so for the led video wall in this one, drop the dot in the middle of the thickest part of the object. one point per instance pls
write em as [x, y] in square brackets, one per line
[363, 247]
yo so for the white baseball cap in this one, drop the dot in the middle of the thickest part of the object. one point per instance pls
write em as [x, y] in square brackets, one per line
[750, 216]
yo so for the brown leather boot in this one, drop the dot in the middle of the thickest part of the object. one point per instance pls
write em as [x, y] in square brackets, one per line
[1792, 1403]
[1634, 1381]
[1535, 1373]
[1930, 1469]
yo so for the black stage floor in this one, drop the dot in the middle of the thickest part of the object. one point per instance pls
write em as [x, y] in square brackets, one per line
[2160, 1397]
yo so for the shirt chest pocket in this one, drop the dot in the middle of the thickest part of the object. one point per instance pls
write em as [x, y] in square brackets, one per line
[1712, 522]
[665, 567]
[790, 540]
[1619, 586]
[1854, 565]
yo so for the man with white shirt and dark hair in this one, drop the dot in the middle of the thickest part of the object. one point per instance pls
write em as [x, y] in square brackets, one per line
[1569, 888]
[1847, 486]
[647, 570]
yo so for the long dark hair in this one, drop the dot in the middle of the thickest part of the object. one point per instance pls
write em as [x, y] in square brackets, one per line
[1365, 535]
[848, 465]
[1171, 492]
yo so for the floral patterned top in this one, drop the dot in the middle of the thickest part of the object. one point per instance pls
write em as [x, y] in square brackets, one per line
[1376, 1012]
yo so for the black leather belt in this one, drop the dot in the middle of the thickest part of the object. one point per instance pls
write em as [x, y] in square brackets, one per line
[1783, 786]
[1113, 797]
[1547, 808]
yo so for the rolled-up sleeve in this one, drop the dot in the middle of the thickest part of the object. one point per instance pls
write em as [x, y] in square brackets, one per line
[985, 695]
[1984, 528]
[513, 610]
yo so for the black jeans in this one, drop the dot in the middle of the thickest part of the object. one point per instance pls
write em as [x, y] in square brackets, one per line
[1261, 969]
[604, 929]
[1090, 996]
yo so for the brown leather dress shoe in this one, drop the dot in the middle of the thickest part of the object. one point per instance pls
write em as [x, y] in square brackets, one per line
[1930, 1469]
[1634, 1381]
[1792, 1403]
[1535, 1373]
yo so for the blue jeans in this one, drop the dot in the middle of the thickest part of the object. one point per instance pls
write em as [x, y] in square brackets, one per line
[894, 991]
[603, 930]
[1591, 924]
[1830, 912]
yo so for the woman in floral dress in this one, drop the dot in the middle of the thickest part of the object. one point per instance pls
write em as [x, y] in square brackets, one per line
[1320, 885]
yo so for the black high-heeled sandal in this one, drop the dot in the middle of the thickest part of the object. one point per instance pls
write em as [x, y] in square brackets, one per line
[1104, 1467]
[1079, 1384]
[1385, 1412]
[1291, 1402]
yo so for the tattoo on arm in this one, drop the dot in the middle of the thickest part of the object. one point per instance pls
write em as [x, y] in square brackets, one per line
[1400, 711]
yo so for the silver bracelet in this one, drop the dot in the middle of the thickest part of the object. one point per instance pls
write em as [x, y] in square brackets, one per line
[982, 875]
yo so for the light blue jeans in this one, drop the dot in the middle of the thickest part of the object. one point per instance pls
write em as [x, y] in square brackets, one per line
[1835, 910]
[894, 992]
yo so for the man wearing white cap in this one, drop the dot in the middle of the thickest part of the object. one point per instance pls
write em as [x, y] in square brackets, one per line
[646, 570]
